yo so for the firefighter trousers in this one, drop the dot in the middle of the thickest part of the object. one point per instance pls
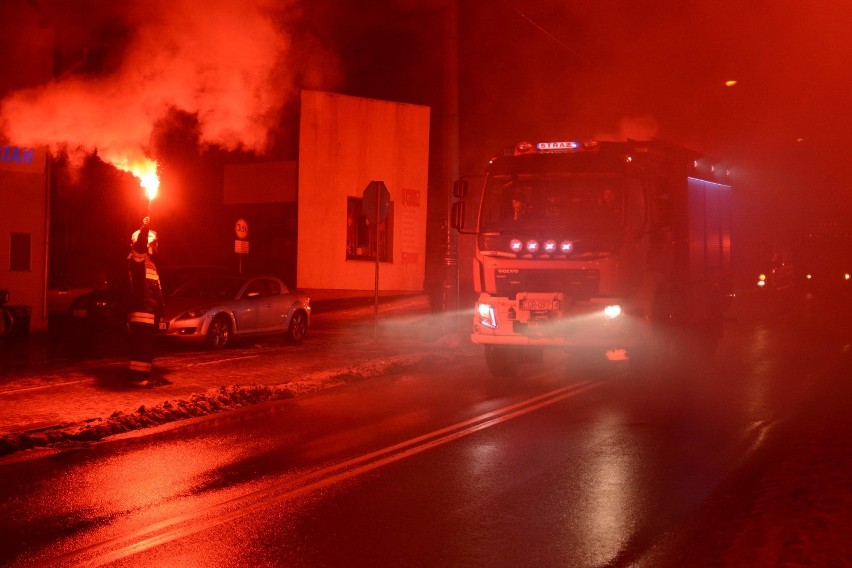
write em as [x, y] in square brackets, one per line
[143, 326]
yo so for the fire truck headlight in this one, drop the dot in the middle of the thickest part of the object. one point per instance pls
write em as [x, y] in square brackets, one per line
[612, 312]
[761, 283]
[487, 317]
[515, 245]
[566, 247]
[550, 247]
[847, 276]
[532, 245]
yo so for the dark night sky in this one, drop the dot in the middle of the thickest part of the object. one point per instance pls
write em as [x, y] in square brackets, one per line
[529, 69]
[555, 69]
[622, 67]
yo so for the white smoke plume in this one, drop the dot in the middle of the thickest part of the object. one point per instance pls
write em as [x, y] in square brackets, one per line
[221, 61]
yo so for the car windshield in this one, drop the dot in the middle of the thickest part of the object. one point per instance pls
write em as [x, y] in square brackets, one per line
[211, 287]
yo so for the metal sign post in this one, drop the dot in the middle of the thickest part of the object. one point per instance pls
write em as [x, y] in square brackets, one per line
[376, 203]
[376, 296]
[241, 245]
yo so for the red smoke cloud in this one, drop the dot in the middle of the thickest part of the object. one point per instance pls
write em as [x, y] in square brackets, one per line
[221, 61]
[635, 127]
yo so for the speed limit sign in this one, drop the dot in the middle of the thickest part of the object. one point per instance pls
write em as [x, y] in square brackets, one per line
[241, 229]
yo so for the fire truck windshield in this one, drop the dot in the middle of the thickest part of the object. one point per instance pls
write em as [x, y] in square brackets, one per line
[585, 204]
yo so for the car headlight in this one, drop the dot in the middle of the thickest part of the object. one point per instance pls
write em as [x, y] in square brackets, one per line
[193, 314]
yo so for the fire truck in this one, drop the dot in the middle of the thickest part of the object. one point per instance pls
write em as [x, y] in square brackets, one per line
[611, 249]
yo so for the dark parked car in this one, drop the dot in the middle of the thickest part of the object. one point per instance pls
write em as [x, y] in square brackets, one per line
[104, 309]
[214, 309]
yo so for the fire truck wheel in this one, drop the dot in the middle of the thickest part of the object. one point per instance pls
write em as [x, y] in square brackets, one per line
[502, 361]
[219, 334]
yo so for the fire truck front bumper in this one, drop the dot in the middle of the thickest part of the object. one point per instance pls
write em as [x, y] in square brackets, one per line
[600, 323]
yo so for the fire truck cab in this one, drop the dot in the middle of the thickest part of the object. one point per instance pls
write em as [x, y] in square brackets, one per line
[601, 247]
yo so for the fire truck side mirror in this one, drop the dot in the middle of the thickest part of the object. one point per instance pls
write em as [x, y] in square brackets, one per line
[460, 188]
[458, 215]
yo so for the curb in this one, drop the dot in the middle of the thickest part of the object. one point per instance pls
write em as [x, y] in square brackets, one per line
[215, 400]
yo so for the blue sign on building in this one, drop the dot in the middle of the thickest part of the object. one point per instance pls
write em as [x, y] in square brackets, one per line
[17, 155]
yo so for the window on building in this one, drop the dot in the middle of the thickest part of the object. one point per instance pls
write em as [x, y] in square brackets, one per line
[362, 239]
[20, 252]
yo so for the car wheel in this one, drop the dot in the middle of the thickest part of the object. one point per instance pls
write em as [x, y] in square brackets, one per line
[219, 333]
[298, 326]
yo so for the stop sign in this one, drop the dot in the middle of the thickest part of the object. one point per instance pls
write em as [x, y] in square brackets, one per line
[376, 196]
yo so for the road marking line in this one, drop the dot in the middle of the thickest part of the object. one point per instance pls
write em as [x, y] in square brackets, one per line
[162, 362]
[25, 389]
[191, 523]
[214, 361]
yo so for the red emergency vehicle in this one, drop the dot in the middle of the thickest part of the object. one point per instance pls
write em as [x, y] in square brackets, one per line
[609, 248]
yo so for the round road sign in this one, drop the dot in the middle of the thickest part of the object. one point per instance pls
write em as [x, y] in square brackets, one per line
[241, 228]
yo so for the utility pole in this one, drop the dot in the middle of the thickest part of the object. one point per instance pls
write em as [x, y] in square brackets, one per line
[450, 169]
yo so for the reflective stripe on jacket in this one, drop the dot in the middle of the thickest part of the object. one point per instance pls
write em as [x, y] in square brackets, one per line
[141, 317]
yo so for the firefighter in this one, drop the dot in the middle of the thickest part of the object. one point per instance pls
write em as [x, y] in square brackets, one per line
[146, 303]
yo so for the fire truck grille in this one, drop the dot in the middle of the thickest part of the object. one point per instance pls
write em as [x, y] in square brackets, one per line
[575, 283]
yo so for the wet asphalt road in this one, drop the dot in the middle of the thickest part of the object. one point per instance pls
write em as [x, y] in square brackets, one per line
[568, 466]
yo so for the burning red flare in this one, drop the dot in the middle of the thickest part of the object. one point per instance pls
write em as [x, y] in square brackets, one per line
[149, 181]
[144, 168]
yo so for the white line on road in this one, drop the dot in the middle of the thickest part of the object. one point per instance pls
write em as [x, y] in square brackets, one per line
[216, 361]
[47, 386]
[163, 361]
[197, 521]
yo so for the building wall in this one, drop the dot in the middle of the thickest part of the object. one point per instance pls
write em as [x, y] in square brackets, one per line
[344, 144]
[264, 195]
[23, 211]
[27, 48]
[267, 182]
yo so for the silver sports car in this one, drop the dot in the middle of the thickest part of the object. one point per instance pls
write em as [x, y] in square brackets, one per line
[214, 309]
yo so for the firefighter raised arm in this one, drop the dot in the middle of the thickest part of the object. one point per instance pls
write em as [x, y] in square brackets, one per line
[146, 303]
